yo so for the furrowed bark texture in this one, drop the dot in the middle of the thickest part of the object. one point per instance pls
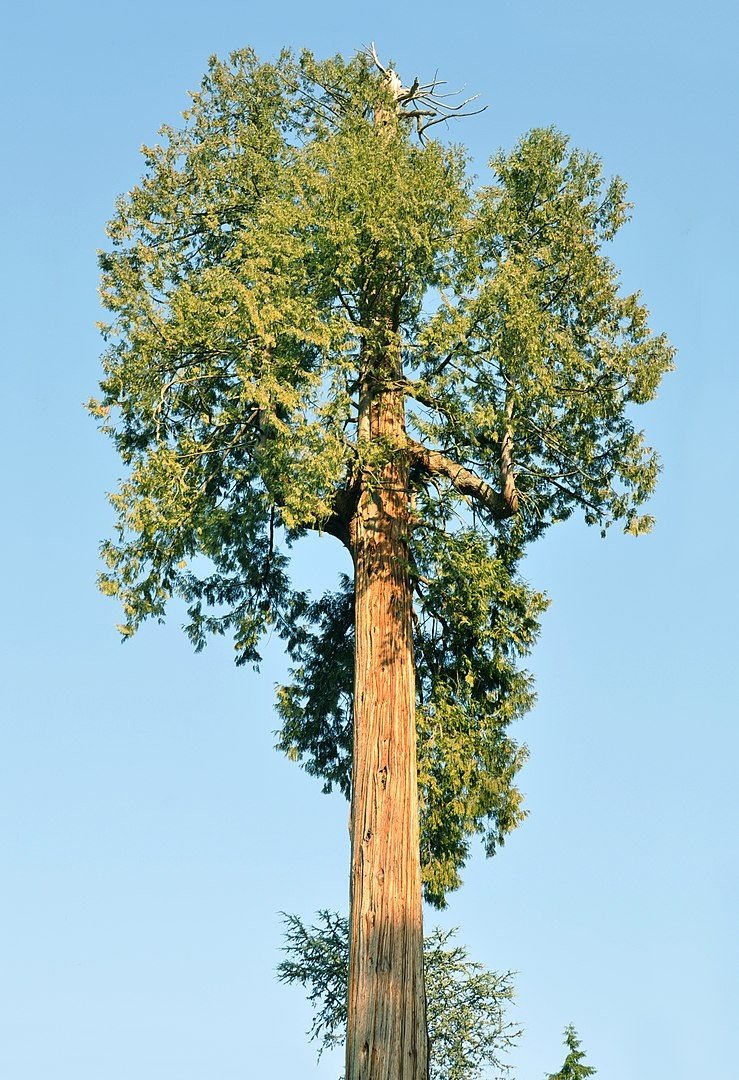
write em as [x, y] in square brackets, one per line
[386, 1031]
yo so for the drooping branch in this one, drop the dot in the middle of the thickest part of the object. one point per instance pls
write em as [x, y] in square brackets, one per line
[434, 463]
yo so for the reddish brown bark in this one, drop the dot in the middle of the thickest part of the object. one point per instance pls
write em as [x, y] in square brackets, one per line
[386, 1032]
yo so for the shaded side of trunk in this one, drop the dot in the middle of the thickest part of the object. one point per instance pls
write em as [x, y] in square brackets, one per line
[387, 1031]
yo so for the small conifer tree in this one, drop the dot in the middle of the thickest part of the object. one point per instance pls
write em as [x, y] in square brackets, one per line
[574, 1067]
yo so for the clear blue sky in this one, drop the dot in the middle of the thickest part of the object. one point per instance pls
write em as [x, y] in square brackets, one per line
[149, 834]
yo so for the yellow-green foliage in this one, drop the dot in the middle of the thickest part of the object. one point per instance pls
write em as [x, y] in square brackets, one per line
[250, 272]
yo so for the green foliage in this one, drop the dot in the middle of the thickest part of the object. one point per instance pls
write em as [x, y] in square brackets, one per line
[318, 959]
[316, 708]
[474, 620]
[468, 1032]
[574, 1067]
[536, 338]
[268, 248]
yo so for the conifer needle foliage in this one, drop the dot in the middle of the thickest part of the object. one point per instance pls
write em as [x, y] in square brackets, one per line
[469, 1034]
[574, 1067]
[244, 280]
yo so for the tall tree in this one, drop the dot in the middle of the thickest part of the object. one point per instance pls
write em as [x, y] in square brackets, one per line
[319, 324]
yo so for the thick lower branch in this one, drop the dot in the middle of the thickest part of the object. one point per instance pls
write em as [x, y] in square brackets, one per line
[434, 463]
[338, 521]
[335, 525]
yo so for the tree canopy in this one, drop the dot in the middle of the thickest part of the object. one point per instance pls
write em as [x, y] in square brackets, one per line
[274, 242]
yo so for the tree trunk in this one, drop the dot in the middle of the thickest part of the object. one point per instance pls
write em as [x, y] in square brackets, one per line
[386, 1031]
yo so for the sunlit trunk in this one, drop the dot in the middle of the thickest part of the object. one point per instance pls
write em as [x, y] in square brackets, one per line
[387, 1032]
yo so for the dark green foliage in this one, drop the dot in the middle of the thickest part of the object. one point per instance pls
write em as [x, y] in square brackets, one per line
[473, 621]
[468, 1032]
[574, 1067]
[318, 959]
[316, 708]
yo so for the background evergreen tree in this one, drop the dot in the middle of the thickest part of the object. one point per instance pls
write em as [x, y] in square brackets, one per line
[574, 1067]
[469, 1033]
[318, 323]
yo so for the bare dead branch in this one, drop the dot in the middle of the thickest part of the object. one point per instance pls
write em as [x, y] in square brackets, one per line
[420, 100]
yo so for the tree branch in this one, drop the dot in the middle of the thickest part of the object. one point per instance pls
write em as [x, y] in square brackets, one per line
[510, 495]
[338, 521]
[434, 463]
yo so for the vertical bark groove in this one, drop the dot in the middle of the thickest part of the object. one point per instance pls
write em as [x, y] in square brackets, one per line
[386, 1031]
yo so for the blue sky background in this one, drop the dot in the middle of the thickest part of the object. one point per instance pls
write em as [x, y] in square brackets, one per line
[149, 833]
